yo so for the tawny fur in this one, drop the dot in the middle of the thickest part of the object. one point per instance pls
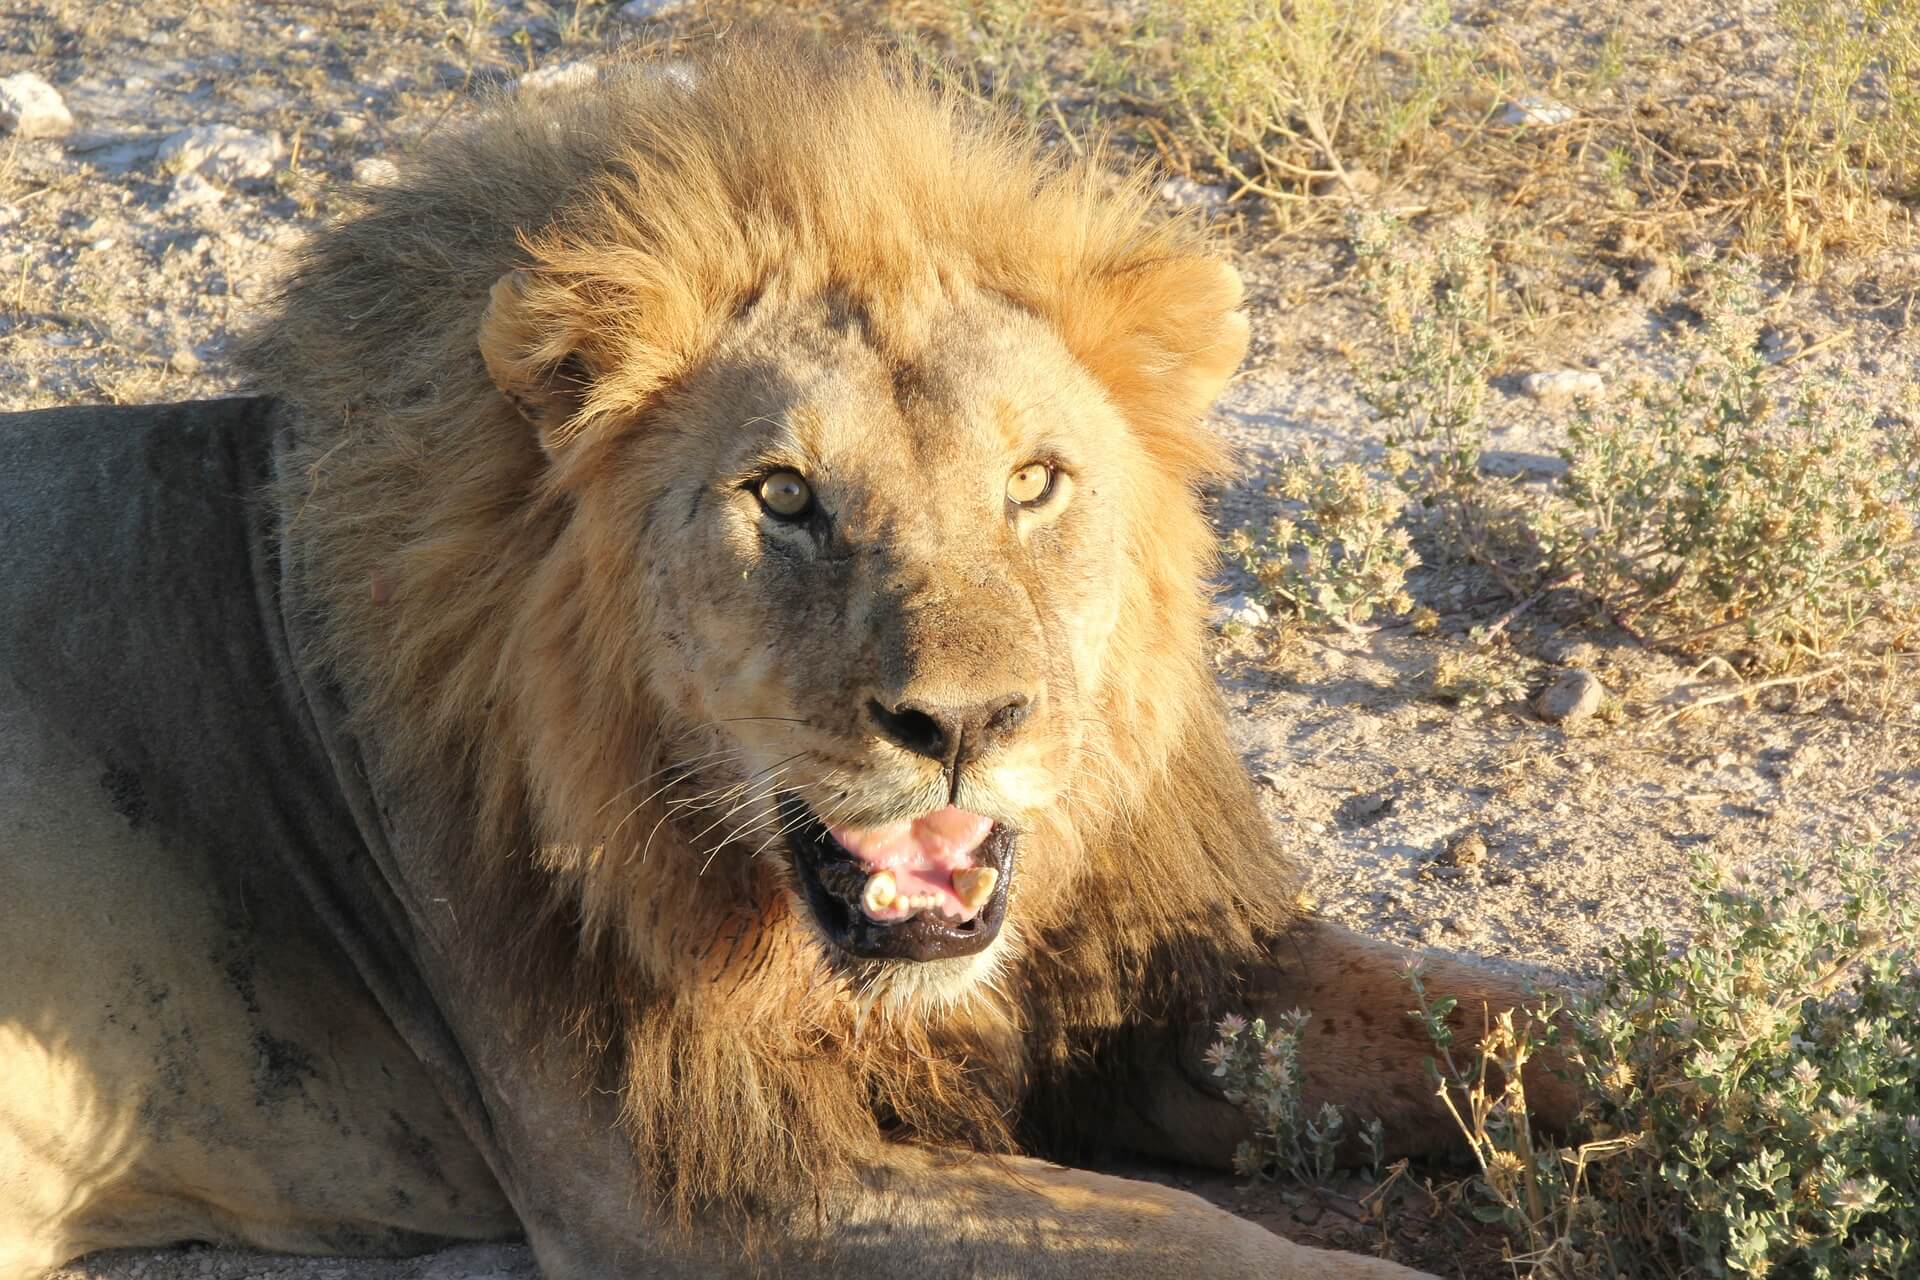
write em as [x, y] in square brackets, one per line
[469, 573]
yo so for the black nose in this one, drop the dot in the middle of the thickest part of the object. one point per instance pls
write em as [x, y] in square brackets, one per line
[951, 735]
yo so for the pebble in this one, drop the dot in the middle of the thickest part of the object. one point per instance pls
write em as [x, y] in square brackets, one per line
[1185, 193]
[1655, 281]
[221, 152]
[1467, 849]
[1561, 384]
[191, 191]
[31, 108]
[376, 171]
[184, 361]
[1539, 113]
[1244, 611]
[1572, 697]
[560, 75]
[644, 10]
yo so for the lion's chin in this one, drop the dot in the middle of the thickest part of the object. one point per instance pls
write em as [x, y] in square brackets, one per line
[828, 876]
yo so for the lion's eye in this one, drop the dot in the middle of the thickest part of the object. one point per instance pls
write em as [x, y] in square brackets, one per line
[786, 494]
[1030, 484]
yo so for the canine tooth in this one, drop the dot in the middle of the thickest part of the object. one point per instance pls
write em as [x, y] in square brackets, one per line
[974, 885]
[879, 894]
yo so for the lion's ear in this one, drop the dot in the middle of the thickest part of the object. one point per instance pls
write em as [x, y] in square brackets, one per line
[1163, 337]
[535, 353]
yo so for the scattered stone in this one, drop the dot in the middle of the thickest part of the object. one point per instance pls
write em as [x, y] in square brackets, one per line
[376, 171]
[1572, 697]
[1537, 113]
[184, 361]
[31, 108]
[1562, 384]
[1655, 281]
[1467, 849]
[191, 191]
[1243, 611]
[646, 10]
[1185, 193]
[1570, 651]
[221, 152]
[559, 76]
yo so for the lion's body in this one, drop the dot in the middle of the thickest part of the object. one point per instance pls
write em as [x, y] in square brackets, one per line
[185, 1052]
[477, 694]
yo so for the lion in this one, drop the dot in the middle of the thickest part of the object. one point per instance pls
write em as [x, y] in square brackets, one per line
[674, 722]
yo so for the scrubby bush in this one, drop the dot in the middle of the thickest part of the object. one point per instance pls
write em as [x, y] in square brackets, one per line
[1707, 510]
[1259, 1071]
[1336, 552]
[1756, 1093]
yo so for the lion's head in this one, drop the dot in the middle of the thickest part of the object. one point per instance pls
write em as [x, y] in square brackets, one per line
[768, 493]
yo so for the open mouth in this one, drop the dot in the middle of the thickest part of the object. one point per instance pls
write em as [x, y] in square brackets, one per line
[931, 888]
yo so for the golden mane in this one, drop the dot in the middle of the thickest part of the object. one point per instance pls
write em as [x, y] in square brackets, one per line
[428, 530]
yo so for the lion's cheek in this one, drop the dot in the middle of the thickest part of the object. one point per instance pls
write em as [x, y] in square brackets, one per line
[1089, 631]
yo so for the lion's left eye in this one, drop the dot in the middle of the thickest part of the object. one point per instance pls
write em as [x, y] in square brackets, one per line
[786, 495]
[1030, 485]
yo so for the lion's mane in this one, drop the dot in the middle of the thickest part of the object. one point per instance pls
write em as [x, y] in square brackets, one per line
[430, 533]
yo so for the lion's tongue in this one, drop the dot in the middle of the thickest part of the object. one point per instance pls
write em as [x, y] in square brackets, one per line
[922, 863]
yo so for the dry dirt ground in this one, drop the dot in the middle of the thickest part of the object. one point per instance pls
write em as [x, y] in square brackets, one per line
[124, 268]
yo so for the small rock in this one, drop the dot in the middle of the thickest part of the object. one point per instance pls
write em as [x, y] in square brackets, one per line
[645, 10]
[30, 107]
[1538, 113]
[1242, 610]
[1468, 849]
[184, 361]
[560, 75]
[1561, 384]
[1655, 281]
[376, 171]
[191, 191]
[221, 152]
[1185, 193]
[1572, 697]
[1570, 651]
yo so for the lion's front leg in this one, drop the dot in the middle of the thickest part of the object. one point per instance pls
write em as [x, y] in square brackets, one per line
[917, 1212]
[1362, 1050]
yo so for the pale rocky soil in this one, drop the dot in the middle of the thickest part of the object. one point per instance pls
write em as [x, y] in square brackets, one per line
[122, 275]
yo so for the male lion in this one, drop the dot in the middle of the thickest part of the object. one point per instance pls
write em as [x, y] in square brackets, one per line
[677, 723]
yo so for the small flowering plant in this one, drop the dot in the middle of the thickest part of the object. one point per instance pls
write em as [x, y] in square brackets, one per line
[1259, 1072]
[1336, 552]
[1756, 1093]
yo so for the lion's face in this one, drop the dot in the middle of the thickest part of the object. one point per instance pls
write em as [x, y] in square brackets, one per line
[881, 587]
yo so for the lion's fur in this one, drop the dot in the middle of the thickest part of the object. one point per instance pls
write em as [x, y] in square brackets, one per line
[461, 588]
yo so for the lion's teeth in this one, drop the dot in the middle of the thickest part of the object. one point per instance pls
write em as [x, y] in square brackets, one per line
[880, 894]
[974, 885]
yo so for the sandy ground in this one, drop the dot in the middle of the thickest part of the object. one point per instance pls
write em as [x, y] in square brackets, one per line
[121, 277]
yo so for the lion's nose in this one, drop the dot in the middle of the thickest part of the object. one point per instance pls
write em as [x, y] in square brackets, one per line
[952, 735]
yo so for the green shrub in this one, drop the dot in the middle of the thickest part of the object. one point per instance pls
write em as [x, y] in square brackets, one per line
[1335, 553]
[1756, 1093]
[1259, 1072]
[1703, 511]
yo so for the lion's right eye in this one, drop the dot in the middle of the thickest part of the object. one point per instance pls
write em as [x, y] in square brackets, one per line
[786, 495]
